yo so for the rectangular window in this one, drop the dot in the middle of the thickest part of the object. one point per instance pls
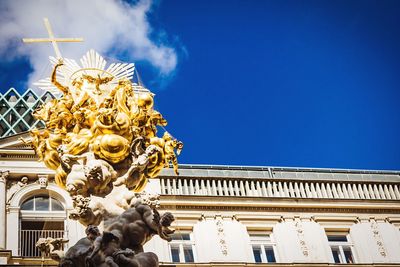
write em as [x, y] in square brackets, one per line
[336, 253]
[175, 254]
[341, 247]
[269, 252]
[337, 238]
[257, 254]
[263, 248]
[188, 252]
[182, 248]
[348, 255]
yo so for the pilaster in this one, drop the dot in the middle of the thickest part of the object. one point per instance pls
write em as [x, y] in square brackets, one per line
[3, 181]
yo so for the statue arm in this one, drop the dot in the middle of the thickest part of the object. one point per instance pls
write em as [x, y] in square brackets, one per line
[54, 81]
[148, 216]
[152, 218]
[75, 157]
[105, 80]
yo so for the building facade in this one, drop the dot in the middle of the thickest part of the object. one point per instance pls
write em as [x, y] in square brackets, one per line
[225, 215]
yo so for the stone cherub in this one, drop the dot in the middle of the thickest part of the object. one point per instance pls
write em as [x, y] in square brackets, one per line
[90, 176]
[81, 208]
[23, 182]
[51, 247]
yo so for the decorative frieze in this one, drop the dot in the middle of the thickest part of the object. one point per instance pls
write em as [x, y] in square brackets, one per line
[14, 187]
[3, 176]
[221, 235]
[300, 235]
[378, 238]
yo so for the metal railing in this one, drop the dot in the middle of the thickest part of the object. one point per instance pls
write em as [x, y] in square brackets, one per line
[28, 239]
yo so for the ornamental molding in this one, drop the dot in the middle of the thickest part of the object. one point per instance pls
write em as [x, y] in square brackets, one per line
[34, 188]
[378, 238]
[300, 235]
[43, 181]
[336, 218]
[219, 222]
[4, 175]
[178, 207]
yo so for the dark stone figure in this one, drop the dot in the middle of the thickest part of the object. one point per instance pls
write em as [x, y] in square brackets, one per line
[140, 223]
[108, 253]
[76, 255]
[121, 244]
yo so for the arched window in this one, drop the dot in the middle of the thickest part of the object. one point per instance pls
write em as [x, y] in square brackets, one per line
[42, 203]
[42, 216]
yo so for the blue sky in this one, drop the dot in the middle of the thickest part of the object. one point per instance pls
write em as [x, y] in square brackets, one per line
[276, 83]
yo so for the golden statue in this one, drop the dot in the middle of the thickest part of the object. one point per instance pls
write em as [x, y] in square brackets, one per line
[101, 139]
[102, 131]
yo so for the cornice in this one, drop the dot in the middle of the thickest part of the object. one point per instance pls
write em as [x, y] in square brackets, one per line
[278, 204]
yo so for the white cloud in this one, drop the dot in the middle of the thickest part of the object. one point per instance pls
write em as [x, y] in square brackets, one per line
[106, 25]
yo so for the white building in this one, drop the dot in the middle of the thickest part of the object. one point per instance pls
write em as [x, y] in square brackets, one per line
[225, 215]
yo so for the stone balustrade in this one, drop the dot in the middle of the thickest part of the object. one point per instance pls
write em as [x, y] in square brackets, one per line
[250, 187]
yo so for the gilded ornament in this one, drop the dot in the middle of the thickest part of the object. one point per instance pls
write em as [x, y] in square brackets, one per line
[111, 147]
[102, 131]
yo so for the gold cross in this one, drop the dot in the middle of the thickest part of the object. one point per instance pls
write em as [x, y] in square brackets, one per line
[51, 39]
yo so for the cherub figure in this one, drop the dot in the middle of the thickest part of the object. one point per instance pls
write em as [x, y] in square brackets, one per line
[45, 144]
[83, 118]
[81, 207]
[62, 118]
[135, 178]
[155, 119]
[86, 174]
[110, 121]
[23, 182]
[84, 213]
[122, 96]
[97, 81]
[45, 110]
[38, 142]
[169, 151]
[51, 247]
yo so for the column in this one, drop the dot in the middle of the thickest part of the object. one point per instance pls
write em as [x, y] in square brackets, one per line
[76, 231]
[3, 193]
